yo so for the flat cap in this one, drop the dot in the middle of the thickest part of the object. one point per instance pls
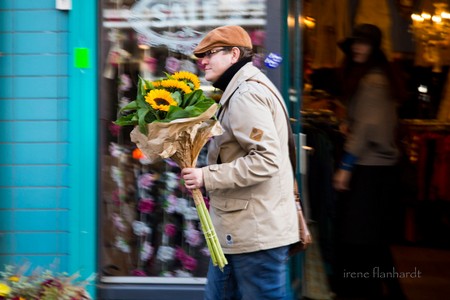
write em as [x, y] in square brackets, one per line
[224, 36]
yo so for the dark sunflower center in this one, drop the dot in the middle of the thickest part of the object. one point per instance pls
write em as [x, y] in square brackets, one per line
[160, 101]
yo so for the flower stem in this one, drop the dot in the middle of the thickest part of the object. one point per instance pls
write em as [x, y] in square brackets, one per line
[217, 256]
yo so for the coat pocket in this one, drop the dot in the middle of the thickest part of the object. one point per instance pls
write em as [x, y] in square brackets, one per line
[230, 205]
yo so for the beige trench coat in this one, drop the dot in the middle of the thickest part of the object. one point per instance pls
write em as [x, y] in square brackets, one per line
[249, 176]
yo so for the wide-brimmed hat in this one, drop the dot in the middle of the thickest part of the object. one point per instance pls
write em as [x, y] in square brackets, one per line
[224, 36]
[366, 33]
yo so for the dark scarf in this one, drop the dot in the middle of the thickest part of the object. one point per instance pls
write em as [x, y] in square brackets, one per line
[226, 77]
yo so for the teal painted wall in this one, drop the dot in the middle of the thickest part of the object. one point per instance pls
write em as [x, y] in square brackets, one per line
[83, 135]
[47, 135]
[34, 165]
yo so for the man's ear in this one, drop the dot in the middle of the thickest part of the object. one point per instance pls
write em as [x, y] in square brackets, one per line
[236, 52]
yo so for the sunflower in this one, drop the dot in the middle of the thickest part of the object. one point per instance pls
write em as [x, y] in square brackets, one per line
[172, 85]
[160, 99]
[192, 78]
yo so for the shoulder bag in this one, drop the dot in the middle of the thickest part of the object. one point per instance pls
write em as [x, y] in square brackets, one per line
[304, 233]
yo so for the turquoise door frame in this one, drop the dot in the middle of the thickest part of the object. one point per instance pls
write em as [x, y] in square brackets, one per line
[292, 79]
[83, 136]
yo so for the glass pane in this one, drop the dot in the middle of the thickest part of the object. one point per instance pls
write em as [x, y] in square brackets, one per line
[149, 224]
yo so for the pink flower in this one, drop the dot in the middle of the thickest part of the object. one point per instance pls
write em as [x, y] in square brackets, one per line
[52, 283]
[146, 205]
[138, 272]
[125, 82]
[171, 163]
[171, 204]
[115, 197]
[192, 235]
[114, 129]
[170, 230]
[180, 254]
[146, 251]
[118, 222]
[189, 263]
[146, 180]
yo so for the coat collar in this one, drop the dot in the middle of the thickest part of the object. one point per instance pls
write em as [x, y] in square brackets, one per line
[246, 72]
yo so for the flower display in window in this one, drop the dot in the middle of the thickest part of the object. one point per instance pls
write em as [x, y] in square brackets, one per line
[122, 245]
[42, 285]
[140, 228]
[170, 205]
[145, 181]
[146, 251]
[118, 222]
[170, 229]
[146, 205]
[192, 235]
[188, 262]
[165, 253]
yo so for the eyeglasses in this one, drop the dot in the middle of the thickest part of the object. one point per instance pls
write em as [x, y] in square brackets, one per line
[210, 53]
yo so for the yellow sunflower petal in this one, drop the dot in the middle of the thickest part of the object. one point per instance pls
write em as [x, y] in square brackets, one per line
[173, 85]
[160, 99]
[184, 75]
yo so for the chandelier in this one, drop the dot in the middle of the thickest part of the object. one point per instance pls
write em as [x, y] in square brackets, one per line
[432, 31]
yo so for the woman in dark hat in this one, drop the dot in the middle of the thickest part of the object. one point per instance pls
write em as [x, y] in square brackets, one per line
[366, 176]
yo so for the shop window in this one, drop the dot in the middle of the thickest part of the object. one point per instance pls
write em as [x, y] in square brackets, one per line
[148, 221]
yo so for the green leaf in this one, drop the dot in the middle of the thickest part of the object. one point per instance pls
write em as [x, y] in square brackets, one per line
[127, 120]
[140, 97]
[204, 104]
[141, 87]
[176, 112]
[140, 100]
[177, 97]
[150, 116]
[142, 112]
[130, 106]
[192, 98]
[193, 111]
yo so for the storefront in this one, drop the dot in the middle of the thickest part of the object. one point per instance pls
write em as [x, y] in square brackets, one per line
[149, 240]
[132, 222]
[106, 210]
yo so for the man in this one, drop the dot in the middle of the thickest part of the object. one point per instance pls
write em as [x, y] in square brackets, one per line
[249, 176]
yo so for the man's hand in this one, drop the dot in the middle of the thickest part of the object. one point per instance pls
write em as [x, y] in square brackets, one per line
[193, 178]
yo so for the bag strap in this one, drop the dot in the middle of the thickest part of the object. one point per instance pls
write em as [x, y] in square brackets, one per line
[292, 151]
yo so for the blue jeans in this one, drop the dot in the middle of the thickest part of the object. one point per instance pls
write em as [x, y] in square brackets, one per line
[257, 275]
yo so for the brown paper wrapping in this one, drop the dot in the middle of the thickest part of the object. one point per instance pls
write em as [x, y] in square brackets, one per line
[181, 139]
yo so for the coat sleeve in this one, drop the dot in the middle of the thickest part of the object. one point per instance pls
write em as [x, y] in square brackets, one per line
[368, 116]
[253, 127]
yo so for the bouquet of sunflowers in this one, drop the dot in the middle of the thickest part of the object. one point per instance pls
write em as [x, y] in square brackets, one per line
[173, 118]
[175, 97]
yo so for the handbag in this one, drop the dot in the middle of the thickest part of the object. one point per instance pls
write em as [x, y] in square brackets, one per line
[304, 233]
